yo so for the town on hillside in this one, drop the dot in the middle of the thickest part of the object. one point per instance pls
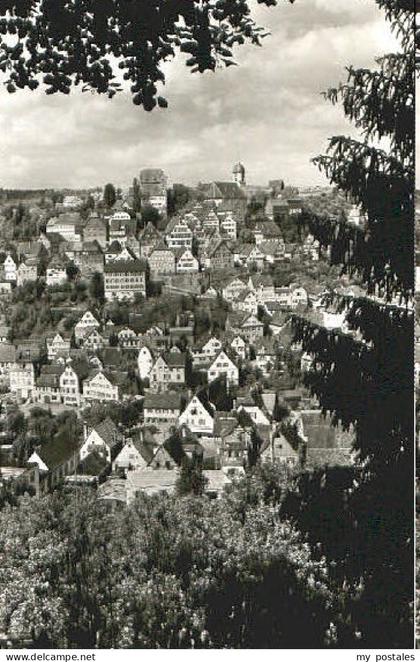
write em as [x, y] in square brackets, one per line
[147, 332]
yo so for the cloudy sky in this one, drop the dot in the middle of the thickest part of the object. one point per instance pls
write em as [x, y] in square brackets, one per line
[267, 112]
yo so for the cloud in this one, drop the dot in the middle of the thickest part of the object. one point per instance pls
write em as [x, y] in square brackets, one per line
[268, 111]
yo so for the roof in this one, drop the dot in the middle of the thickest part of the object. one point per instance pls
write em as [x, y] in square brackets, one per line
[224, 423]
[91, 247]
[126, 266]
[150, 231]
[217, 480]
[229, 190]
[108, 432]
[162, 401]
[318, 430]
[7, 353]
[174, 359]
[58, 450]
[156, 480]
[113, 488]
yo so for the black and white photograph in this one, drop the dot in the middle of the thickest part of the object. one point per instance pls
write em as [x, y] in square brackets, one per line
[209, 350]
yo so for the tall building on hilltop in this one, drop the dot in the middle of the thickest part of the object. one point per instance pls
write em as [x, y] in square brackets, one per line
[153, 188]
[239, 174]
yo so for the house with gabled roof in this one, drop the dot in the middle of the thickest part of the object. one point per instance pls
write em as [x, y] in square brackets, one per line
[57, 345]
[255, 258]
[220, 255]
[133, 456]
[95, 229]
[232, 290]
[149, 238]
[234, 440]
[69, 383]
[186, 262]
[93, 340]
[47, 384]
[162, 408]
[198, 415]
[279, 449]
[263, 286]
[178, 234]
[161, 259]
[239, 346]
[103, 437]
[86, 323]
[251, 328]
[56, 459]
[27, 272]
[265, 355]
[168, 370]
[256, 411]
[103, 386]
[246, 302]
[206, 351]
[162, 459]
[223, 366]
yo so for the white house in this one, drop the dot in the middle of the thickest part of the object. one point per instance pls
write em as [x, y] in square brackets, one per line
[56, 275]
[246, 302]
[239, 346]
[86, 323]
[104, 437]
[22, 379]
[129, 458]
[144, 362]
[57, 345]
[100, 386]
[199, 418]
[70, 386]
[186, 262]
[10, 269]
[223, 366]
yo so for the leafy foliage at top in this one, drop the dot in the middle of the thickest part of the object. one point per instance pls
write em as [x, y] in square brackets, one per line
[89, 42]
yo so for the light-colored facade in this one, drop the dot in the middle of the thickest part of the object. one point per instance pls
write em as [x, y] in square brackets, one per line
[86, 323]
[70, 387]
[223, 366]
[124, 279]
[26, 273]
[187, 263]
[144, 362]
[99, 387]
[197, 417]
[57, 345]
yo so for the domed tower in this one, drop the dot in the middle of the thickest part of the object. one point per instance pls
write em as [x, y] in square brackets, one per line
[239, 174]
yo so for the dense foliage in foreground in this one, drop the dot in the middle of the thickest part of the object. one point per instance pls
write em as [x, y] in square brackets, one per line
[172, 572]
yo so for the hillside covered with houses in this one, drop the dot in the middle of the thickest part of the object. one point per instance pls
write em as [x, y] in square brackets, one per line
[147, 332]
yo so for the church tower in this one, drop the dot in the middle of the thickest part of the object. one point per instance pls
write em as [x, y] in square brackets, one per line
[239, 174]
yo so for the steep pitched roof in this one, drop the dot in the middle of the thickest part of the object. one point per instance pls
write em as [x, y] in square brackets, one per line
[229, 190]
[58, 450]
[174, 359]
[108, 432]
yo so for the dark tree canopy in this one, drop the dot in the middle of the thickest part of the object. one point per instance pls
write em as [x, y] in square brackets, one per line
[363, 376]
[99, 44]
